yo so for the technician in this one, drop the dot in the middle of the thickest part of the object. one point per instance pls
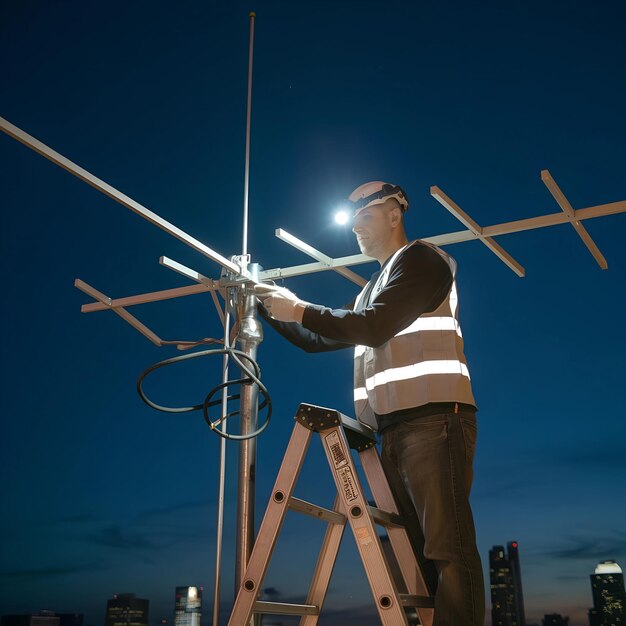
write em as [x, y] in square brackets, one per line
[411, 384]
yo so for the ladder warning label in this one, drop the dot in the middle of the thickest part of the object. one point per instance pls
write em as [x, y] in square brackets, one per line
[345, 477]
[347, 482]
[336, 450]
[362, 535]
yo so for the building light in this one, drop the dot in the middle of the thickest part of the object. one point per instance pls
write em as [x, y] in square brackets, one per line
[608, 567]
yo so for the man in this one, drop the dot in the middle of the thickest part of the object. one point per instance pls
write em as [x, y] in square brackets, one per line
[411, 383]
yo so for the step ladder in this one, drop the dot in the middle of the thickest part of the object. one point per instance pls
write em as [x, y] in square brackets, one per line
[395, 599]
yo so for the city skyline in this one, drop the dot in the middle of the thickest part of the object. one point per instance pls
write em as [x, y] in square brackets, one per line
[101, 494]
[126, 609]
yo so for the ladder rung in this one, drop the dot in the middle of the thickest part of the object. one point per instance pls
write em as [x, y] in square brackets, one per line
[384, 518]
[284, 608]
[419, 602]
[295, 504]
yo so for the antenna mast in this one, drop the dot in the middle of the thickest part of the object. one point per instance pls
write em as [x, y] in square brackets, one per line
[246, 179]
[249, 337]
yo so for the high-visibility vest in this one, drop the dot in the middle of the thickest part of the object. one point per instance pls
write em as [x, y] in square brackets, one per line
[422, 363]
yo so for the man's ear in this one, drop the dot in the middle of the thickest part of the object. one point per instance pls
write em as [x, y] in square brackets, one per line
[396, 216]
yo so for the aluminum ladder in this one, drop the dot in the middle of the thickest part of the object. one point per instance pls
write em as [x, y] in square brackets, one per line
[395, 599]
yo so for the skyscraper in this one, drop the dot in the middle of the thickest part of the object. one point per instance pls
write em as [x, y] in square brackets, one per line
[125, 609]
[188, 606]
[609, 596]
[507, 600]
[554, 619]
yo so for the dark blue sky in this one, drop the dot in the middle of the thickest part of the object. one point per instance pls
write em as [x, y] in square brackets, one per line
[102, 495]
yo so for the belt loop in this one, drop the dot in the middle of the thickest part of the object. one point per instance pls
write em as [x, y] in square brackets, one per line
[456, 407]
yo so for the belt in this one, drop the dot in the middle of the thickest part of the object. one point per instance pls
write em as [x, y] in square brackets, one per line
[432, 408]
[435, 408]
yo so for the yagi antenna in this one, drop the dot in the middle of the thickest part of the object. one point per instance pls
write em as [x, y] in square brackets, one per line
[239, 310]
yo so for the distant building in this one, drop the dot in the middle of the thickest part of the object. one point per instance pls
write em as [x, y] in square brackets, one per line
[44, 618]
[554, 619]
[125, 609]
[507, 599]
[609, 596]
[188, 606]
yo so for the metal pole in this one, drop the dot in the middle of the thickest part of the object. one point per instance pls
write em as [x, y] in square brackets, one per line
[244, 247]
[220, 495]
[249, 337]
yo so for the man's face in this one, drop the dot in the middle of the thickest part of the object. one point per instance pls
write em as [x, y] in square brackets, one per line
[372, 227]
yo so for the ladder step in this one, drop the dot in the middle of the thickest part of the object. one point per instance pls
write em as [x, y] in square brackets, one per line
[284, 608]
[419, 602]
[391, 563]
[386, 519]
[295, 504]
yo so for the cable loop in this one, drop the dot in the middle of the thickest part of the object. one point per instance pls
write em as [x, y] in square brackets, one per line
[250, 369]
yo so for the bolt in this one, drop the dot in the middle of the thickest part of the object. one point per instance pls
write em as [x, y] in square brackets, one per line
[385, 602]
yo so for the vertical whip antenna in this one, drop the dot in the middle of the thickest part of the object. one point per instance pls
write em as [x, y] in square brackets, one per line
[222, 479]
[246, 183]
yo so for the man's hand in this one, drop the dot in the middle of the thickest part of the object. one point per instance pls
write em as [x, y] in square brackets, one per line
[282, 304]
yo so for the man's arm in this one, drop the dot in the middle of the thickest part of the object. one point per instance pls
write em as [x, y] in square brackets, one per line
[301, 337]
[419, 282]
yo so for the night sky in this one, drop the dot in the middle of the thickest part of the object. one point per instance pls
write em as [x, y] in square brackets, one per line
[103, 495]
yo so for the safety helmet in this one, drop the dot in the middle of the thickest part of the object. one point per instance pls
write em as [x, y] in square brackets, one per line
[377, 192]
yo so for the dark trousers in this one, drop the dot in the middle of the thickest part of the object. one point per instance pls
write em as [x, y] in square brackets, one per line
[430, 460]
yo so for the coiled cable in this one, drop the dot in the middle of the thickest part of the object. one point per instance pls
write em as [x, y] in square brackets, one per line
[252, 376]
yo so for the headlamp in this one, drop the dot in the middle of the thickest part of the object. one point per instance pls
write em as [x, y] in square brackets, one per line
[387, 190]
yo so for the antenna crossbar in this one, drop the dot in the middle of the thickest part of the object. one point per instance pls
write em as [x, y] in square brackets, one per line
[564, 203]
[466, 220]
[123, 313]
[474, 232]
[552, 219]
[114, 194]
[154, 296]
[183, 270]
[283, 235]
[213, 285]
[310, 268]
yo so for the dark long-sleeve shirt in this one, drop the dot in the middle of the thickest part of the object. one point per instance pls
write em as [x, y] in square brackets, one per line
[419, 281]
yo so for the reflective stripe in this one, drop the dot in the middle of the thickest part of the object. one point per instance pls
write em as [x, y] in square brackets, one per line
[395, 374]
[454, 299]
[432, 323]
[360, 394]
[358, 351]
[422, 324]
[425, 368]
